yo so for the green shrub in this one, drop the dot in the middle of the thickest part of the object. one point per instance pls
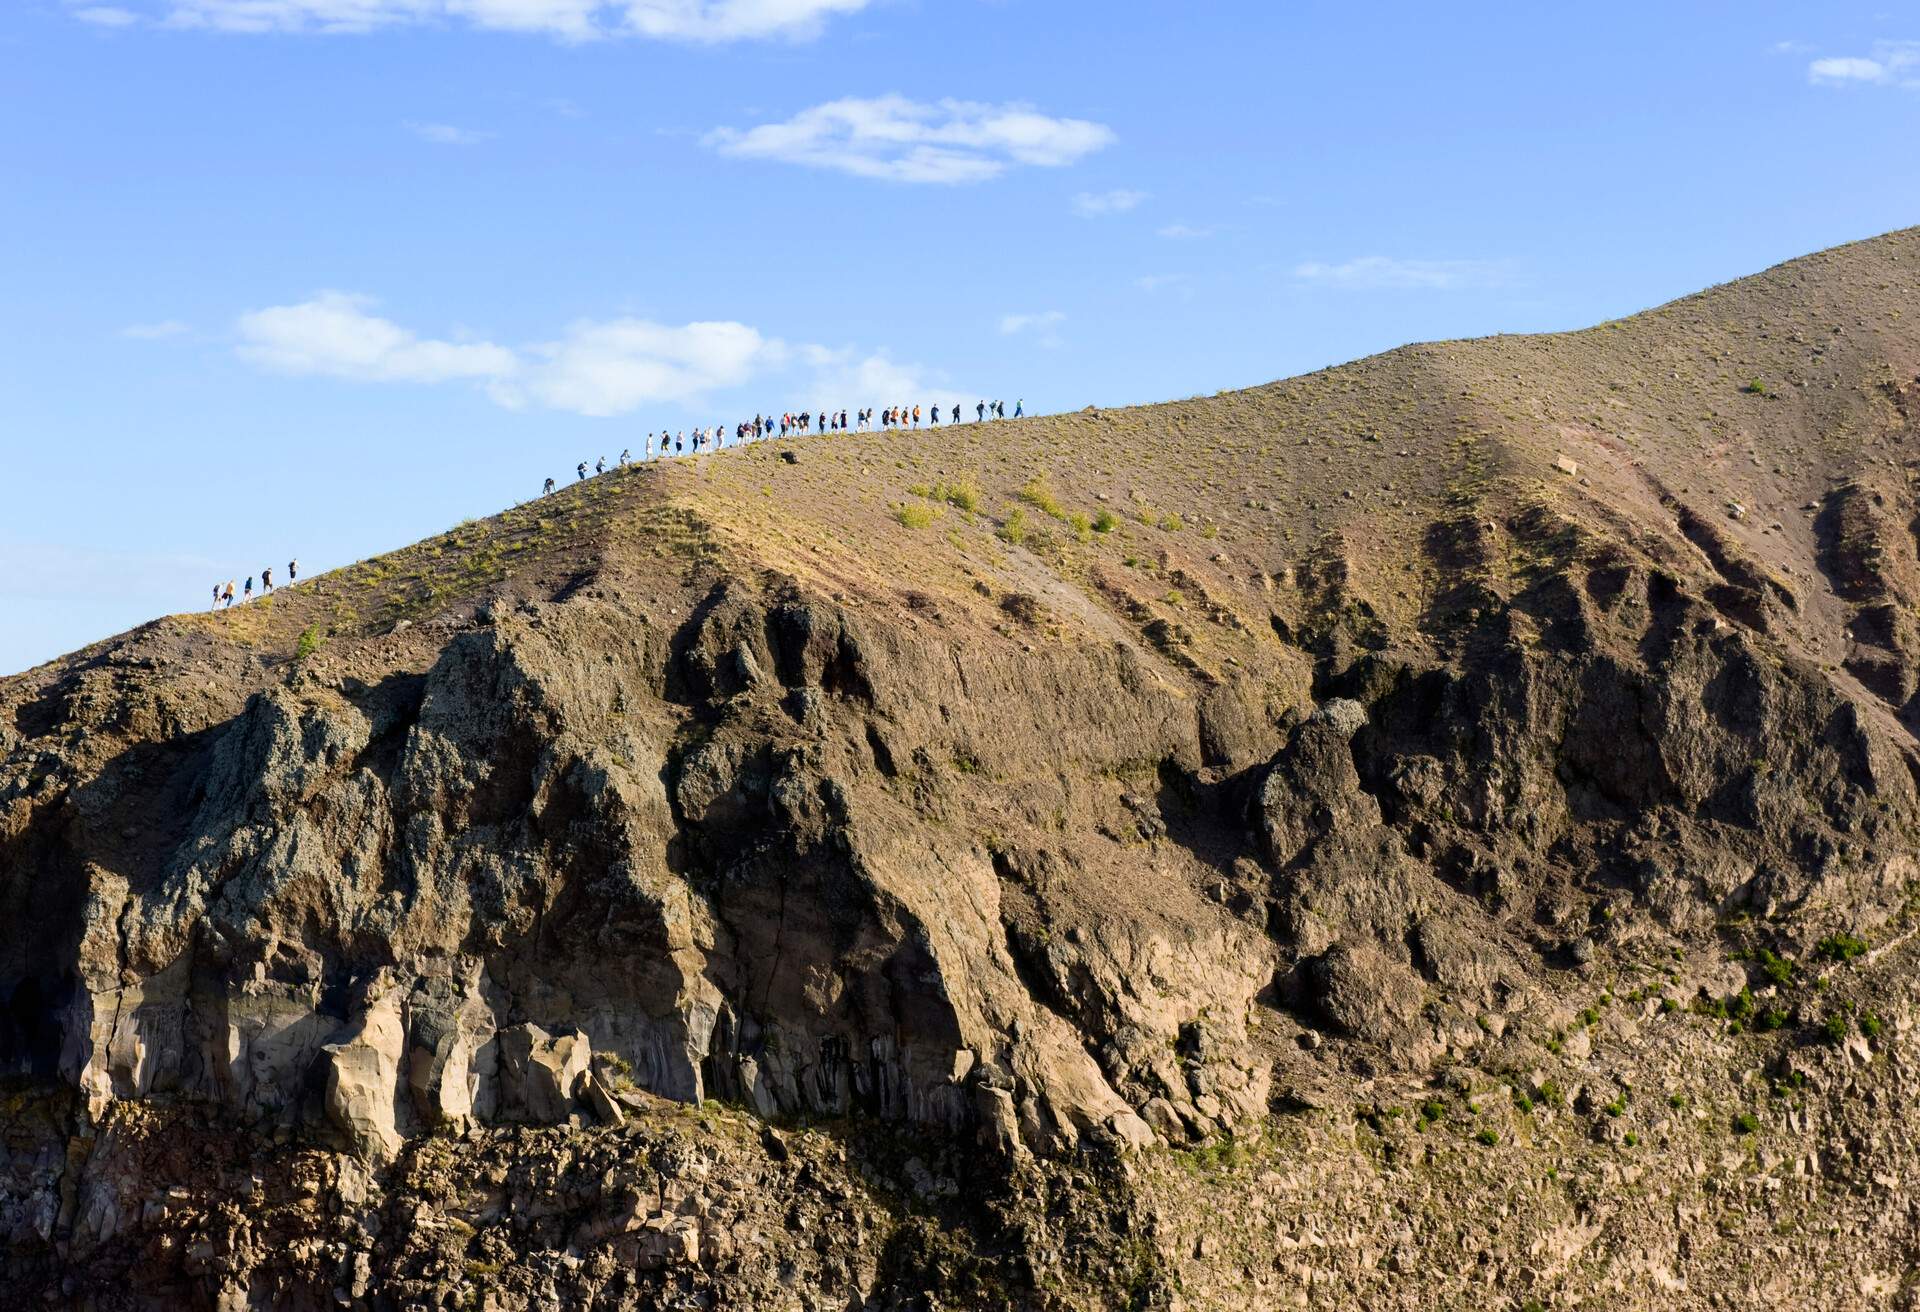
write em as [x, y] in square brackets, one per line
[1014, 530]
[1841, 947]
[1616, 1108]
[309, 643]
[1870, 1025]
[1746, 1123]
[1834, 1028]
[1172, 522]
[1550, 1094]
[1433, 1110]
[1631, 1139]
[1678, 1101]
[1038, 495]
[1488, 1136]
[1081, 526]
[1777, 969]
[1105, 521]
[962, 496]
[914, 515]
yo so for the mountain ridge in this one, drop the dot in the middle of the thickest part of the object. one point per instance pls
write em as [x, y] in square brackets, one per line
[1069, 862]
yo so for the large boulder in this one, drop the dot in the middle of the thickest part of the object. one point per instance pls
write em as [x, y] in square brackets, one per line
[363, 1080]
[542, 1074]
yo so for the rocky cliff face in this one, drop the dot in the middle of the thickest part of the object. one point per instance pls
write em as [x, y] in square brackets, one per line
[710, 888]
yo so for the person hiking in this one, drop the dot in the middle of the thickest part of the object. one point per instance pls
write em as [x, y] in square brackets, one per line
[247, 593]
[229, 594]
[293, 571]
[600, 465]
[1019, 408]
[216, 596]
[266, 580]
[581, 469]
[916, 416]
[546, 489]
[626, 456]
[980, 412]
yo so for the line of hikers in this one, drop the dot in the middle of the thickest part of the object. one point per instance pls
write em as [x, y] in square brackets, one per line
[223, 592]
[761, 427]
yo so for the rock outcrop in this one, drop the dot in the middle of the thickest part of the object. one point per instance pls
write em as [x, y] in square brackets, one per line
[709, 893]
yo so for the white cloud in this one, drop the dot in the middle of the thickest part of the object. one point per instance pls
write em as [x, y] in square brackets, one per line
[1040, 325]
[154, 332]
[1093, 204]
[334, 336]
[107, 16]
[848, 377]
[1894, 63]
[1154, 283]
[1378, 271]
[1847, 70]
[1019, 323]
[731, 20]
[445, 134]
[901, 140]
[598, 368]
[614, 368]
[1184, 232]
[571, 20]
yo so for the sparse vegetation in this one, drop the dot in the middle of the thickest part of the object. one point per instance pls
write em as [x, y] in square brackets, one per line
[1841, 947]
[914, 515]
[1040, 496]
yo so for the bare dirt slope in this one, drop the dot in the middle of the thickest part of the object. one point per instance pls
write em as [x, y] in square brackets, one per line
[1437, 831]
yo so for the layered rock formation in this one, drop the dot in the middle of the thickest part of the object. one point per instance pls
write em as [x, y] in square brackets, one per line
[1441, 816]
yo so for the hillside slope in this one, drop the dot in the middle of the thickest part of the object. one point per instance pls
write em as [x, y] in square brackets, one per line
[1437, 830]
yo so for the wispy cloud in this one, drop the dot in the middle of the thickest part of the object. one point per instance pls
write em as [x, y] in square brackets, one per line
[1373, 272]
[1893, 63]
[597, 368]
[155, 332]
[335, 335]
[1094, 204]
[1041, 326]
[445, 134]
[851, 377]
[901, 140]
[106, 16]
[1154, 282]
[697, 21]
[1019, 323]
[1185, 232]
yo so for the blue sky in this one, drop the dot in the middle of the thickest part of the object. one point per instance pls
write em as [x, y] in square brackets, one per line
[321, 277]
